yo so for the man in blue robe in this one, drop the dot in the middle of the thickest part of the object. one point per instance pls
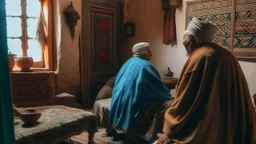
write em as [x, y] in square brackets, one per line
[138, 93]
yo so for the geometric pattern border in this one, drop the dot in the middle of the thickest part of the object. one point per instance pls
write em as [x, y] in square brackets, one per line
[220, 12]
[217, 12]
[245, 54]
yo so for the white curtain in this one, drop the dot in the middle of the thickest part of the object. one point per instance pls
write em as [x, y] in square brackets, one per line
[41, 33]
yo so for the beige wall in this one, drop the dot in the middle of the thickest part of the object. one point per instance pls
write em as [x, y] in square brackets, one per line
[68, 76]
[148, 17]
[149, 20]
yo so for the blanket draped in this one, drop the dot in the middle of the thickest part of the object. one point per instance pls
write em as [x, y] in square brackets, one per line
[212, 104]
[138, 84]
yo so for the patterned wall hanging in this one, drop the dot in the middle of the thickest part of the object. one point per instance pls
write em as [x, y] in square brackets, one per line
[169, 33]
[236, 20]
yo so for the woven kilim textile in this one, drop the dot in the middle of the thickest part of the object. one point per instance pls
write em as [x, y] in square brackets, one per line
[236, 21]
[245, 28]
[217, 12]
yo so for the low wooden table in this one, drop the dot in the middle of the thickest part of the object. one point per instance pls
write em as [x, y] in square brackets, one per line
[56, 124]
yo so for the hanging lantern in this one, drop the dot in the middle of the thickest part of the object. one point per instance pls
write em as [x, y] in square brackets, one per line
[72, 17]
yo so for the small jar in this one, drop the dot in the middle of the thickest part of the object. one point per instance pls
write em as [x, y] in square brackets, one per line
[11, 60]
[170, 82]
[168, 73]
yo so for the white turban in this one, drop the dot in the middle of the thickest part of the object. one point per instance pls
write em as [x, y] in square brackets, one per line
[203, 30]
[140, 47]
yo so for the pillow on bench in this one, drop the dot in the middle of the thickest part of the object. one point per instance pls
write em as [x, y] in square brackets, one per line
[106, 90]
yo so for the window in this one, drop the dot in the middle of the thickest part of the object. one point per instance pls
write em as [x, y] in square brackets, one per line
[22, 21]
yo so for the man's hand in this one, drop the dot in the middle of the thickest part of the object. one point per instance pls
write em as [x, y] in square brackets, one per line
[163, 139]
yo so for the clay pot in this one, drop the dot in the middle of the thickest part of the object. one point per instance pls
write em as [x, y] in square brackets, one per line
[11, 59]
[175, 3]
[170, 82]
[24, 63]
[168, 73]
[30, 118]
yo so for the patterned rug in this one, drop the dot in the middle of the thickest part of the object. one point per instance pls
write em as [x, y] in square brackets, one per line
[83, 139]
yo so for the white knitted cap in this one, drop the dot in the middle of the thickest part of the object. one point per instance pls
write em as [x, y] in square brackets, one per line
[139, 47]
[202, 29]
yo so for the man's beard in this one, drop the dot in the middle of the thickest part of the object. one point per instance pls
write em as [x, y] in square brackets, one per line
[188, 52]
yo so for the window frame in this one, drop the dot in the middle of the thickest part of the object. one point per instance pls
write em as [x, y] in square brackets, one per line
[46, 63]
[48, 51]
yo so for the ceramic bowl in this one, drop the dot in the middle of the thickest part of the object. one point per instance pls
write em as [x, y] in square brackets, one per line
[30, 118]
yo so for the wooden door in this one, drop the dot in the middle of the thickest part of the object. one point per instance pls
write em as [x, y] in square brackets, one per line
[100, 45]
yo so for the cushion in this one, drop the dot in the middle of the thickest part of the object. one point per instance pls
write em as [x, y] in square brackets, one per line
[106, 90]
[67, 100]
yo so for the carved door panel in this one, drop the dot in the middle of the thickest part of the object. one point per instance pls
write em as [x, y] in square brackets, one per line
[100, 44]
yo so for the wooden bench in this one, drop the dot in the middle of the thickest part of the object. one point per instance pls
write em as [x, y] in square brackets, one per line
[56, 124]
